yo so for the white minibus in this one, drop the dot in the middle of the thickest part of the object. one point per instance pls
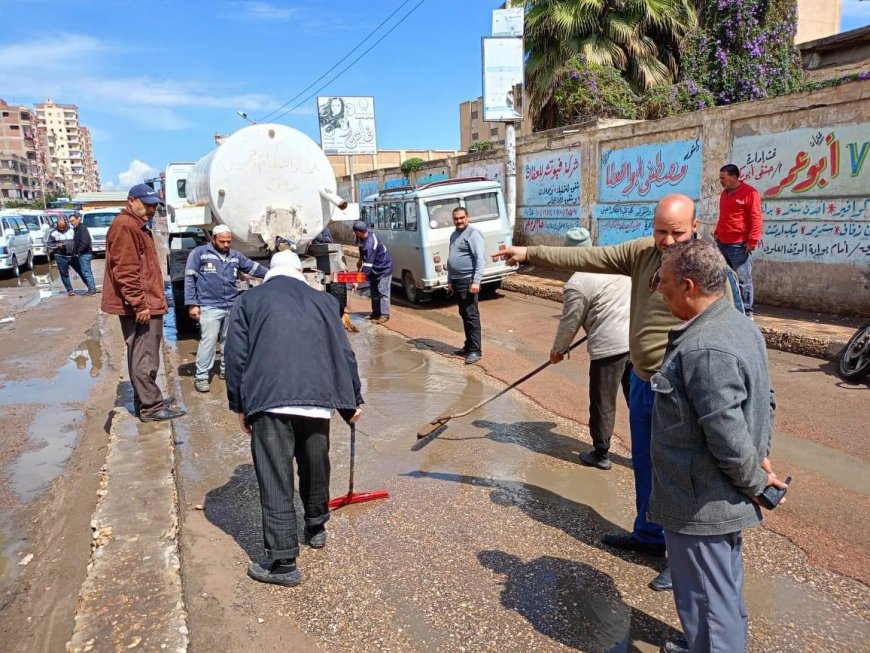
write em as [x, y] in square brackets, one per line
[415, 223]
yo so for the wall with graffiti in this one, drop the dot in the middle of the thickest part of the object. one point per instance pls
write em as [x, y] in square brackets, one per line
[395, 182]
[493, 170]
[548, 196]
[631, 180]
[814, 185]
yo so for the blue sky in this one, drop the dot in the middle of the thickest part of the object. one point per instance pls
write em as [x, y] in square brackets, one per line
[155, 79]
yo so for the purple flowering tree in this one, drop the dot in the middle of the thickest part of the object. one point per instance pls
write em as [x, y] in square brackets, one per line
[744, 49]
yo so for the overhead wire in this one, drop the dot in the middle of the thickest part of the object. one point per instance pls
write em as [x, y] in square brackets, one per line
[352, 63]
[337, 63]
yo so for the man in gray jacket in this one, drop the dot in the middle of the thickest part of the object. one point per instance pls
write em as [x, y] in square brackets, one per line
[465, 262]
[600, 303]
[712, 425]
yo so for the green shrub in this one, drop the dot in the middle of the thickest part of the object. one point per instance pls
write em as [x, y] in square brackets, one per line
[589, 91]
[670, 99]
[411, 165]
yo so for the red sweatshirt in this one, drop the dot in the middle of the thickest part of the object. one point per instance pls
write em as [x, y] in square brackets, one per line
[739, 216]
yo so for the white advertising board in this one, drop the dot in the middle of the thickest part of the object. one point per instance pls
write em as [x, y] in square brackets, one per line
[502, 73]
[347, 125]
[508, 22]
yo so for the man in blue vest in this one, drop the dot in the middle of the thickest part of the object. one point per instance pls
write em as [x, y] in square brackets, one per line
[375, 261]
[210, 290]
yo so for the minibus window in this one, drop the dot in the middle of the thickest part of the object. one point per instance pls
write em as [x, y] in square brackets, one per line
[397, 220]
[410, 216]
[382, 219]
[441, 212]
[482, 207]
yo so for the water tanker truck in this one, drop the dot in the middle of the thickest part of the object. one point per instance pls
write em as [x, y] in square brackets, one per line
[275, 189]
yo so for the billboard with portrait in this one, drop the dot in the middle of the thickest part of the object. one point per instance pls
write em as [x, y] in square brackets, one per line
[347, 124]
[502, 78]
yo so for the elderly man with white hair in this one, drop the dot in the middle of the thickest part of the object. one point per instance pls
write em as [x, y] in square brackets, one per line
[289, 368]
[210, 290]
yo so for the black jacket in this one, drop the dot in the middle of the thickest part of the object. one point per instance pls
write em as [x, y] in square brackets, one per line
[81, 240]
[286, 346]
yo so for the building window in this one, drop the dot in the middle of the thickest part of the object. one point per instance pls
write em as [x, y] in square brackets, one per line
[474, 114]
[474, 136]
[474, 123]
[493, 131]
[14, 127]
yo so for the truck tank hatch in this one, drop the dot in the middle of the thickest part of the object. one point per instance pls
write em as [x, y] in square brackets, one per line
[286, 224]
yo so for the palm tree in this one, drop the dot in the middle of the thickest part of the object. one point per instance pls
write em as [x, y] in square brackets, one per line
[639, 37]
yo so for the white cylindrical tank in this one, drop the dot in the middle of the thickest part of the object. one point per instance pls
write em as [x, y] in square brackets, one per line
[265, 181]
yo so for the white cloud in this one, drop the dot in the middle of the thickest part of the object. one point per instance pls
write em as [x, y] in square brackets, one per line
[69, 63]
[261, 11]
[136, 173]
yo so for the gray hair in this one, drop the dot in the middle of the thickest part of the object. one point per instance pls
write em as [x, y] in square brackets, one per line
[700, 261]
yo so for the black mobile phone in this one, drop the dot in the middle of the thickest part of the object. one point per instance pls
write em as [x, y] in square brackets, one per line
[772, 495]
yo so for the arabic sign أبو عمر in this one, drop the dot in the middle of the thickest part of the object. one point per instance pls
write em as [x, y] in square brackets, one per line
[649, 172]
[817, 162]
[347, 125]
[503, 66]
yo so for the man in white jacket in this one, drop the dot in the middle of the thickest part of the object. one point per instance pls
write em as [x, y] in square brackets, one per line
[600, 303]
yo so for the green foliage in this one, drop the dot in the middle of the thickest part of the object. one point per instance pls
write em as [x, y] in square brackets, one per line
[16, 204]
[411, 165]
[744, 49]
[480, 146]
[640, 38]
[836, 81]
[672, 99]
[590, 91]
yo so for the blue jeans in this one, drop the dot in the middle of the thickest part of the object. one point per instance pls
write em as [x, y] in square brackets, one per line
[213, 324]
[640, 413]
[740, 260]
[86, 272]
[64, 263]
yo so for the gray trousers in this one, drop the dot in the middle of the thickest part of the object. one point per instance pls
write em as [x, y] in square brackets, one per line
[606, 376]
[707, 572]
[143, 361]
[379, 287]
[275, 441]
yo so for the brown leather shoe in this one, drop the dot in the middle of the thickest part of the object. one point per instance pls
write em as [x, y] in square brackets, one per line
[381, 319]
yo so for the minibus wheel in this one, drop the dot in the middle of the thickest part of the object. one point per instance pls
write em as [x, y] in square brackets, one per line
[413, 294]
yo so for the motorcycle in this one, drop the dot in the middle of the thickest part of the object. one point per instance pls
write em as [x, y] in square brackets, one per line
[854, 363]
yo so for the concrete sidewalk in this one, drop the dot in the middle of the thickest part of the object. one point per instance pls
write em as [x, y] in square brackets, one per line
[809, 334]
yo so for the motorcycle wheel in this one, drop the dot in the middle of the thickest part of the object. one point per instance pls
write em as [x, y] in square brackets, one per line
[854, 363]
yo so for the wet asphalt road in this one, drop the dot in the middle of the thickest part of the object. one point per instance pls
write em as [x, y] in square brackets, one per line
[490, 538]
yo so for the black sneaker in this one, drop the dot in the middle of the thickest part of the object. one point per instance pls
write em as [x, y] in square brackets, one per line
[316, 537]
[662, 582]
[679, 645]
[162, 415]
[460, 352]
[277, 572]
[595, 458]
[472, 357]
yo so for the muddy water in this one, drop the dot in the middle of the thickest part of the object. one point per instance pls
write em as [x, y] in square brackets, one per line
[52, 435]
[497, 500]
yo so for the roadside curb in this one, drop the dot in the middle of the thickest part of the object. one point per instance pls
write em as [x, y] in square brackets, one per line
[132, 594]
[782, 339]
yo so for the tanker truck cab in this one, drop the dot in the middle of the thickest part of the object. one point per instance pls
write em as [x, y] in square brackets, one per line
[415, 223]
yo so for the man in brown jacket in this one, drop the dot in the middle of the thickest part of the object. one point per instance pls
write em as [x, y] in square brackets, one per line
[133, 290]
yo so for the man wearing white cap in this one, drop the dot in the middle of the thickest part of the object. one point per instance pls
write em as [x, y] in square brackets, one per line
[600, 303]
[289, 368]
[210, 290]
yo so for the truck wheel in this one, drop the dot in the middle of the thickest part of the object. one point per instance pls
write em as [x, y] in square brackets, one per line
[339, 291]
[183, 323]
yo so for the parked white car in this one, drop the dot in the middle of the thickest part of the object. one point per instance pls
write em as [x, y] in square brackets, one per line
[16, 245]
[40, 225]
[98, 222]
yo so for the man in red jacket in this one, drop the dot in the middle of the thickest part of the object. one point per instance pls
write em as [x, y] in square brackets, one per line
[738, 231]
[133, 290]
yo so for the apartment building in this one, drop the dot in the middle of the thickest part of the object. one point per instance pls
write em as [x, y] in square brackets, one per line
[92, 168]
[817, 19]
[21, 154]
[59, 123]
[473, 128]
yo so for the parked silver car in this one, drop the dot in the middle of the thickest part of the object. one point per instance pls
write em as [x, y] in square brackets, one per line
[16, 244]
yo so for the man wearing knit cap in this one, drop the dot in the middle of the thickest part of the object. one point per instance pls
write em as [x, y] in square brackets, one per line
[375, 261]
[600, 304]
[210, 290]
[275, 330]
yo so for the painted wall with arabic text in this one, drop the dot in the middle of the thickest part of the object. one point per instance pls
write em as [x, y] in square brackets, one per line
[548, 193]
[631, 180]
